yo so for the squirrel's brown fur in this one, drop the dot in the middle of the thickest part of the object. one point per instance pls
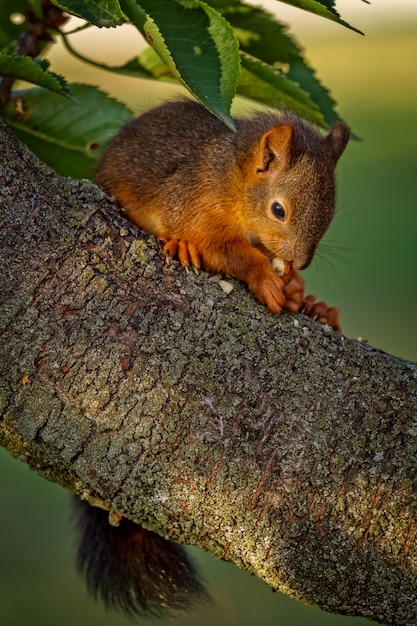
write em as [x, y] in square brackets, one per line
[180, 174]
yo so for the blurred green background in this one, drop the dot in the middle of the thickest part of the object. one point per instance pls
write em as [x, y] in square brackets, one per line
[371, 277]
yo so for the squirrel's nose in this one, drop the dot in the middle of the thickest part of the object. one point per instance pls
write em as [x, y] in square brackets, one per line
[301, 266]
[303, 258]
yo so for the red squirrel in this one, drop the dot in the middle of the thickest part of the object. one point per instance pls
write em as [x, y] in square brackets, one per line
[253, 204]
[244, 203]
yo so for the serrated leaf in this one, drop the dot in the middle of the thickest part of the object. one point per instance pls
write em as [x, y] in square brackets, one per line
[66, 135]
[196, 43]
[262, 82]
[101, 13]
[305, 77]
[324, 8]
[262, 36]
[36, 72]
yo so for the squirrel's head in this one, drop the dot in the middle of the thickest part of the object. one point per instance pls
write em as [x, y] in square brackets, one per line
[290, 190]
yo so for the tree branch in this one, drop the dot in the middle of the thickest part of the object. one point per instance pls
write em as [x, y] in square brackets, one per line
[270, 441]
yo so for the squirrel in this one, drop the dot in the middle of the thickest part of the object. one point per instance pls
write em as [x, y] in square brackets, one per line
[244, 203]
[253, 204]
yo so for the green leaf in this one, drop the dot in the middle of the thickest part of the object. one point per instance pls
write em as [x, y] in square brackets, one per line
[36, 72]
[263, 37]
[66, 135]
[304, 76]
[325, 8]
[264, 83]
[196, 43]
[101, 13]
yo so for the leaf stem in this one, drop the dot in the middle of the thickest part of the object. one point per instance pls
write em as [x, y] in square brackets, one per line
[81, 57]
[79, 29]
[119, 69]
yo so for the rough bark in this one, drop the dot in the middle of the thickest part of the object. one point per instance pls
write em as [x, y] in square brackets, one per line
[270, 441]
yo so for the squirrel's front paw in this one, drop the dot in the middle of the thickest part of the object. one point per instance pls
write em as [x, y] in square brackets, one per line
[268, 288]
[322, 313]
[185, 251]
[294, 291]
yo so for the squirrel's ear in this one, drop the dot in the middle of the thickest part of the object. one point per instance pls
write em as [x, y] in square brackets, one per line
[274, 149]
[338, 138]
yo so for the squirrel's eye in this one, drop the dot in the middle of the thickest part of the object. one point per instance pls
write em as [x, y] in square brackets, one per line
[278, 210]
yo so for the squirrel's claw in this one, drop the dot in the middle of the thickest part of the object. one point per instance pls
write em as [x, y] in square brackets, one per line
[185, 251]
[321, 312]
[194, 257]
[318, 311]
[168, 247]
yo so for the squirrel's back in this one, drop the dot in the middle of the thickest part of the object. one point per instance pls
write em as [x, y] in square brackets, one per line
[168, 138]
[184, 136]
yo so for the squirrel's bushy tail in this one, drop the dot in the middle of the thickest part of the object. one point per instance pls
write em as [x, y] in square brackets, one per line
[131, 569]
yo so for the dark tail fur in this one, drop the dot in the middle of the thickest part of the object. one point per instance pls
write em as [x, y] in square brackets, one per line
[131, 569]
